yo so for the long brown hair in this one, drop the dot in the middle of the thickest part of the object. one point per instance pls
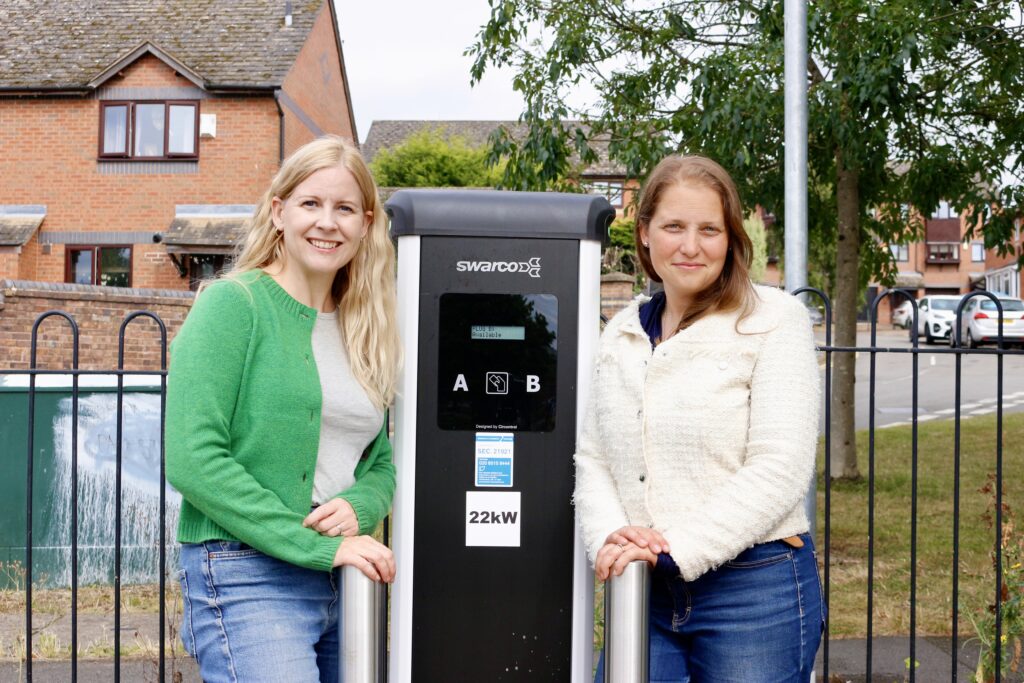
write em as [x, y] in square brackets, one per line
[732, 290]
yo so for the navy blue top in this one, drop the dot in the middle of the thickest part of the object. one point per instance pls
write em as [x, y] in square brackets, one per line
[650, 318]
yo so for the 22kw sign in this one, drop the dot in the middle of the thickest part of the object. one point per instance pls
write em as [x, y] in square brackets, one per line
[493, 518]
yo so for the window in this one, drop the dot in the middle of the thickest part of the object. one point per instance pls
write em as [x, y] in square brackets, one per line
[944, 210]
[977, 252]
[204, 267]
[149, 130]
[110, 266]
[611, 189]
[900, 252]
[943, 252]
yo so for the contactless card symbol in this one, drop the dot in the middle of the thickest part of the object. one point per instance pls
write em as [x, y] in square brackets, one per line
[496, 383]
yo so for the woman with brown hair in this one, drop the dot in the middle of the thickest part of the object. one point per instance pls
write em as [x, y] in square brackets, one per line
[699, 444]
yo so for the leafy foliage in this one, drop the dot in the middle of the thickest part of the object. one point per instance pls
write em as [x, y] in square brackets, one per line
[754, 228]
[922, 99]
[429, 158]
[1011, 602]
[620, 254]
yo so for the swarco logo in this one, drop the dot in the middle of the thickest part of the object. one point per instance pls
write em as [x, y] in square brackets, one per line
[531, 267]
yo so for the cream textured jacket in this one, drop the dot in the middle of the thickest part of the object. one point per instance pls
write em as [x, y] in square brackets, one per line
[710, 438]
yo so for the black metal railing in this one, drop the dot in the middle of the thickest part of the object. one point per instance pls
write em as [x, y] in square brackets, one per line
[828, 349]
[956, 348]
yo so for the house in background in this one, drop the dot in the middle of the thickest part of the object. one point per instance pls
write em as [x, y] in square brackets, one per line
[948, 261]
[137, 136]
[605, 178]
[1003, 273]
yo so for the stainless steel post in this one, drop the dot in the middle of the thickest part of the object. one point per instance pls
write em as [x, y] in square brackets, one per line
[361, 628]
[626, 638]
[795, 13]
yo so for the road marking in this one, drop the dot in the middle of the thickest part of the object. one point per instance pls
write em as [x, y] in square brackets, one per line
[969, 406]
[981, 411]
[945, 411]
[925, 418]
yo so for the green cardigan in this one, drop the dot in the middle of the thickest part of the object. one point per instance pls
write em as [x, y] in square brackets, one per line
[243, 426]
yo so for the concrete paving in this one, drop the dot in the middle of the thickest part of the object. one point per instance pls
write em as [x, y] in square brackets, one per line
[847, 664]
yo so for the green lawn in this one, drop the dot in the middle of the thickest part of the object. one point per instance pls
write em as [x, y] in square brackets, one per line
[935, 501]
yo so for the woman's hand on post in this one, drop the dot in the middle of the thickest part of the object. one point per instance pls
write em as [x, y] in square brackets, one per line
[613, 558]
[334, 518]
[640, 536]
[371, 557]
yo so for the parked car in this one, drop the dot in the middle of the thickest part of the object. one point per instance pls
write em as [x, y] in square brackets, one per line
[935, 315]
[815, 314]
[980, 322]
[903, 315]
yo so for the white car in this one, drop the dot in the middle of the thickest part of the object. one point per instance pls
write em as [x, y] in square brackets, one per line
[935, 316]
[980, 322]
[903, 315]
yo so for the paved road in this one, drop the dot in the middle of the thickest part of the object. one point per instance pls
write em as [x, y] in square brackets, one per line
[936, 382]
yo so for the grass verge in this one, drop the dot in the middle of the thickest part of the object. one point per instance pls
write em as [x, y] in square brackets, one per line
[848, 575]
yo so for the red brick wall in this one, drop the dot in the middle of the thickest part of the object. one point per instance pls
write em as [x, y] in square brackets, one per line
[315, 85]
[8, 262]
[98, 311]
[50, 149]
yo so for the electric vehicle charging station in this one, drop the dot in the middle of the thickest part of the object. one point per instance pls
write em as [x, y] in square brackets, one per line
[499, 307]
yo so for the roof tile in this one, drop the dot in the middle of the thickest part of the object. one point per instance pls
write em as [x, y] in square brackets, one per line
[66, 44]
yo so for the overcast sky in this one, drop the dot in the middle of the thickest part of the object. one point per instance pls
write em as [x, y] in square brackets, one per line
[404, 61]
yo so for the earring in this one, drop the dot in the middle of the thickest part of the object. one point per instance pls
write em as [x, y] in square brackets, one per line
[646, 246]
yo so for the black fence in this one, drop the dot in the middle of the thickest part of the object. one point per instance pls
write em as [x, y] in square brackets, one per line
[999, 593]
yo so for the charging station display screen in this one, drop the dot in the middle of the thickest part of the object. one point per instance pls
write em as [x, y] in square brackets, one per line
[507, 332]
[497, 362]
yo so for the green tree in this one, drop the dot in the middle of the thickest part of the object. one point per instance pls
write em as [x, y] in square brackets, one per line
[754, 227]
[910, 102]
[429, 158]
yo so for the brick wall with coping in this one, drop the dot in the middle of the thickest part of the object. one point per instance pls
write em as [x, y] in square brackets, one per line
[98, 312]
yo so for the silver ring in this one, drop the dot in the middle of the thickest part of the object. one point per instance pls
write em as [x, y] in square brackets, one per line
[338, 527]
[621, 547]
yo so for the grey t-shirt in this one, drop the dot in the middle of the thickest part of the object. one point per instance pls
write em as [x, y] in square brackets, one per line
[348, 420]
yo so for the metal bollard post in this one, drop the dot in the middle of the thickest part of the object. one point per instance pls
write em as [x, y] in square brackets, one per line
[626, 638]
[361, 628]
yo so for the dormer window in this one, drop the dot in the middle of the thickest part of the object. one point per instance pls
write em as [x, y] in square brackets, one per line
[149, 130]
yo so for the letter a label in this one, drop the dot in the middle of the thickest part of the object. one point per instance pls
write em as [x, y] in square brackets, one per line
[460, 384]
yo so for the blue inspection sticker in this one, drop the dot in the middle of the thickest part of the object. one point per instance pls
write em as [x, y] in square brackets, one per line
[494, 459]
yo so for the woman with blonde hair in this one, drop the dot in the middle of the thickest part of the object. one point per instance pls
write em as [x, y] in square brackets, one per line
[699, 444]
[276, 429]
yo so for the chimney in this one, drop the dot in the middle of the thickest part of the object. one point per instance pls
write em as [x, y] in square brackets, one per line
[288, 14]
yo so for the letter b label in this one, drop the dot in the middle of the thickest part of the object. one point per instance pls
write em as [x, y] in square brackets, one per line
[532, 384]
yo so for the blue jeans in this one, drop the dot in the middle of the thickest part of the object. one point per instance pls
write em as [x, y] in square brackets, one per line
[755, 619]
[249, 617]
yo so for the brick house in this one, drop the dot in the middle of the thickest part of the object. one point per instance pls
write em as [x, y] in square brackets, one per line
[604, 178]
[1003, 274]
[138, 134]
[948, 261]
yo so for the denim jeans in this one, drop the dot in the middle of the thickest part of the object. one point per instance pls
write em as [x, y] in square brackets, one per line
[755, 619]
[249, 617]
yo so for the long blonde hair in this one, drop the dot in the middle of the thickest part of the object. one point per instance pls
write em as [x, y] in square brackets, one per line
[364, 290]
